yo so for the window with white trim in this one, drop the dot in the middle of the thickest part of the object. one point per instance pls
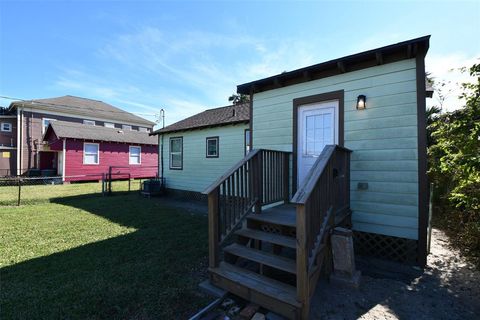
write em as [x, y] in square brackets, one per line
[176, 153]
[90, 153]
[247, 141]
[109, 125]
[126, 127]
[6, 127]
[89, 122]
[212, 147]
[45, 123]
[135, 155]
[142, 129]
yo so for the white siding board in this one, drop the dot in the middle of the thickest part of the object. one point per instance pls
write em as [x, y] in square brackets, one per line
[383, 138]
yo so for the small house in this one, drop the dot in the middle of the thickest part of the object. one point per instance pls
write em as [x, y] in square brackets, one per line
[339, 143]
[197, 150]
[23, 125]
[87, 153]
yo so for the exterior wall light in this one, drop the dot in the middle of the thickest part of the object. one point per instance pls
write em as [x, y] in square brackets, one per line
[361, 102]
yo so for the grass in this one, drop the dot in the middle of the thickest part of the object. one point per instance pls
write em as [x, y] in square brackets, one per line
[44, 192]
[118, 257]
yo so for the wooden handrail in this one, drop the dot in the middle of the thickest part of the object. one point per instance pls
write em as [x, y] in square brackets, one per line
[235, 167]
[304, 191]
[324, 192]
[261, 178]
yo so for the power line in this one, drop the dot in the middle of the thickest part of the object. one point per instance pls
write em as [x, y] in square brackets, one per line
[33, 101]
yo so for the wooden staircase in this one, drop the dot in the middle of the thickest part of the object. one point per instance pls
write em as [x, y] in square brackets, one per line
[274, 256]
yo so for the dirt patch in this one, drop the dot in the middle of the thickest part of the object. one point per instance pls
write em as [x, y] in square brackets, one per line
[448, 288]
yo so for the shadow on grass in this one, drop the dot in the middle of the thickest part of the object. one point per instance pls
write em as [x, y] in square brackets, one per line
[152, 272]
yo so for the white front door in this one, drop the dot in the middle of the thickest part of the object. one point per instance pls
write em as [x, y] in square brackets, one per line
[317, 127]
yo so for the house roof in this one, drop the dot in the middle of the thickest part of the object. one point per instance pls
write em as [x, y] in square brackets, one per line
[211, 118]
[70, 130]
[84, 107]
[395, 52]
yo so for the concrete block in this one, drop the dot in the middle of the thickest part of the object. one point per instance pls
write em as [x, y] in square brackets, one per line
[258, 316]
[346, 280]
[342, 251]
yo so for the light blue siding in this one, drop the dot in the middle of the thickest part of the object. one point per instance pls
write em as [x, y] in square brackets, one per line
[383, 138]
[199, 171]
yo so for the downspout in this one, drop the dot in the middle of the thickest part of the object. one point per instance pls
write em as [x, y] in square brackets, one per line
[20, 150]
[18, 141]
[162, 114]
[63, 159]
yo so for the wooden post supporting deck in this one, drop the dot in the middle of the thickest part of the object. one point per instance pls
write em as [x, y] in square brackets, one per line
[213, 236]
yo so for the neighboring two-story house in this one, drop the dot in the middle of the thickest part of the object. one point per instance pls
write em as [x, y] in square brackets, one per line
[24, 124]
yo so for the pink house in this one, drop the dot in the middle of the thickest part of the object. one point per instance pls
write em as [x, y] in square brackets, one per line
[85, 152]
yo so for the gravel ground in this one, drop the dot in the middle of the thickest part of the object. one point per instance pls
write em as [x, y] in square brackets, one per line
[448, 288]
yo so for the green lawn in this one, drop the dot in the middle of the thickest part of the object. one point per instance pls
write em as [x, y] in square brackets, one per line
[118, 257]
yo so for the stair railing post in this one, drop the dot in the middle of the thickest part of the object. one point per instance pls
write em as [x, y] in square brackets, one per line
[286, 177]
[213, 235]
[258, 183]
[303, 294]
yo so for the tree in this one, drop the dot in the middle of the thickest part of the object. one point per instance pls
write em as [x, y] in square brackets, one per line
[455, 164]
[239, 98]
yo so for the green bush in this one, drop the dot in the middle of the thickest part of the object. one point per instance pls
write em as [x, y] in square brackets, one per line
[454, 159]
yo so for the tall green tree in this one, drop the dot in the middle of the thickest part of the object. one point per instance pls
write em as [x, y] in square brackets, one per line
[455, 164]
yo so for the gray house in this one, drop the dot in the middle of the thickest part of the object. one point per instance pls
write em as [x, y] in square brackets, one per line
[342, 142]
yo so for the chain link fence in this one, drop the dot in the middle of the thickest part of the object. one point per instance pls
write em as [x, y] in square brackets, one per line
[19, 190]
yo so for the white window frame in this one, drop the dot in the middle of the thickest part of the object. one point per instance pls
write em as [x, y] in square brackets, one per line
[143, 129]
[109, 125]
[89, 122]
[139, 155]
[217, 147]
[126, 127]
[44, 127]
[171, 153]
[9, 127]
[98, 153]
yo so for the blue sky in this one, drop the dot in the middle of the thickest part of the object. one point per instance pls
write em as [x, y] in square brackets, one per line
[186, 56]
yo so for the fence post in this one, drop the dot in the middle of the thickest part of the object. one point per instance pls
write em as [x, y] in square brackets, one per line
[110, 180]
[103, 184]
[129, 177]
[19, 191]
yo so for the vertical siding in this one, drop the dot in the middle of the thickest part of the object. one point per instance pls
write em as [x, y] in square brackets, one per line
[383, 138]
[111, 154]
[199, 171]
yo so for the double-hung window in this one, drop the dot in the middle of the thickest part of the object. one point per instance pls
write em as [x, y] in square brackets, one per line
[176, 153]
[212, 147]
[109, 125]
[135, 155]
[90, 153]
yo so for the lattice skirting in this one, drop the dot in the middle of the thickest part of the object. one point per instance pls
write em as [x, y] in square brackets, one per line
[386, 247]
[186, 195]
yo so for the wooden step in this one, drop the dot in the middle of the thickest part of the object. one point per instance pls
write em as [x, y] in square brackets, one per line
[273, 238]
[284, 215]
[253, 281]
[268, 259]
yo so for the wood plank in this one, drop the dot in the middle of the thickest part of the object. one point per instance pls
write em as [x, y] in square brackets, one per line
[254, 281]
[273, 238]
[283, 215]
[277, 262]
